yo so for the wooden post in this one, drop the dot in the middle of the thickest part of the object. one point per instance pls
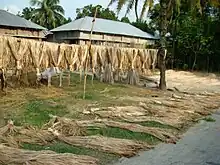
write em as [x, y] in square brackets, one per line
[88, 53]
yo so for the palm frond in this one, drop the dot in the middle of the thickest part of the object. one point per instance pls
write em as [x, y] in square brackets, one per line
[121, 3]
[58, 8]
[112, 2]
[130, 6]
[147, 3]
[35, 2]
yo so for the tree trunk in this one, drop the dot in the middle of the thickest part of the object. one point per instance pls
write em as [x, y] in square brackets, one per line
[194, 63]
[161, 52]
[207, 62]
[136, 11]
[174, 42]
[162, 66]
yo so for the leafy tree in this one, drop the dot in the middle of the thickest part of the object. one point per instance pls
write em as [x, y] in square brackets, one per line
[125, 19]
[27, 13]
[144, 26]
[166, 7]
[89, 10]
[48, 13]
[194, 32]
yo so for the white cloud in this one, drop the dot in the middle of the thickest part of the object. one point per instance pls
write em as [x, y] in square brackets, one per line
[12, 9]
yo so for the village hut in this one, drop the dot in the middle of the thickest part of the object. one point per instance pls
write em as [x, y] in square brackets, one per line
[15, 26]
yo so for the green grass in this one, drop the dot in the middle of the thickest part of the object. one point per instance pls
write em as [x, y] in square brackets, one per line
[36, 112]
[88, 96]
[122, 134]
[149, 124]
[60, 147]
[155, 124]
[209, 119]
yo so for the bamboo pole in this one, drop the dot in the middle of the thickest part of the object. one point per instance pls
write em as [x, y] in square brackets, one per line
[88, 53]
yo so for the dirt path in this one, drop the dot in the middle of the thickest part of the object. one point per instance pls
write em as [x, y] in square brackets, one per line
[192, 81]
[199, 146]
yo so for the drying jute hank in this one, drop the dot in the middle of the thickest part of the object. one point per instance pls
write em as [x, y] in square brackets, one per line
[40, 55]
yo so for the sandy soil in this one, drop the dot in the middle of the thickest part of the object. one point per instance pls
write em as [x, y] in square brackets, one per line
[192, 81]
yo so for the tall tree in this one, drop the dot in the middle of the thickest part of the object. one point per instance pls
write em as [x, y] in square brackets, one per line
[47, 12]
[27, 13]
[165, 7]
[132, 4]
[89, 10]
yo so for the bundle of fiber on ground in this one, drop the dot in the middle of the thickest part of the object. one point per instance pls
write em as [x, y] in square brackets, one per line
[12, 156]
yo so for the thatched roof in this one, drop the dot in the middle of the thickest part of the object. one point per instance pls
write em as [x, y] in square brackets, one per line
[8, 19]
[104, 26]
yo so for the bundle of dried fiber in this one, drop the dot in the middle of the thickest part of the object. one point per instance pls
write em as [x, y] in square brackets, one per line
[136, 114]
[153, 54]
[14, 136]
[93, 60]
[133, 76]
[165, 135]
[137, 63]
[61, 56]
[108, 74]
[83, 54]
[122, 147]
[18, 48]
[5, 60]
[37, 55]
[121, 60]
[101, 62]
[12, 156]
[65, 126]
[54, 53]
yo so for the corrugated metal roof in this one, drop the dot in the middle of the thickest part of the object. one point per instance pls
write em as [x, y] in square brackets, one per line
[104, 26]
[8, 19]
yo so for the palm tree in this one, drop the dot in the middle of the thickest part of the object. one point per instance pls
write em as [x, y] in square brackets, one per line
[165, 6]
[132, 4]
[48, 13]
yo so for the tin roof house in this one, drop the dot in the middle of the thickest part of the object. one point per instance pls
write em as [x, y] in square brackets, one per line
[15, 26]
[105, 32]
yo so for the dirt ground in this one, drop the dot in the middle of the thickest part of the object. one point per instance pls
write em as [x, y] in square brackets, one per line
[191, 81]
[113, 121]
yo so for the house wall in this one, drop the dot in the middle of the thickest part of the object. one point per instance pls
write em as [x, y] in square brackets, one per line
[23, 33]
[82, 38]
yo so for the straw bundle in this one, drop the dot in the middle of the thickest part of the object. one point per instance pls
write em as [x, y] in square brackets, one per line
[162, 134]
[12, 156]
[122, 147]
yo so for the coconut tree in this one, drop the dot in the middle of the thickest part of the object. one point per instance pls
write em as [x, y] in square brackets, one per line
[165, 7]
[132, 4]
[47, 12]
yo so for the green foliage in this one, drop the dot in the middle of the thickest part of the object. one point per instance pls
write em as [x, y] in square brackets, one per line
[209, 119]
[37, 112]
[143, 26]
[89, 10]
[27, 13]
[125, 20]
[48, 13]
[155, 124]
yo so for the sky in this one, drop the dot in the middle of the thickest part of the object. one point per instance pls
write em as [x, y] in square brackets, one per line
[14, 6]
